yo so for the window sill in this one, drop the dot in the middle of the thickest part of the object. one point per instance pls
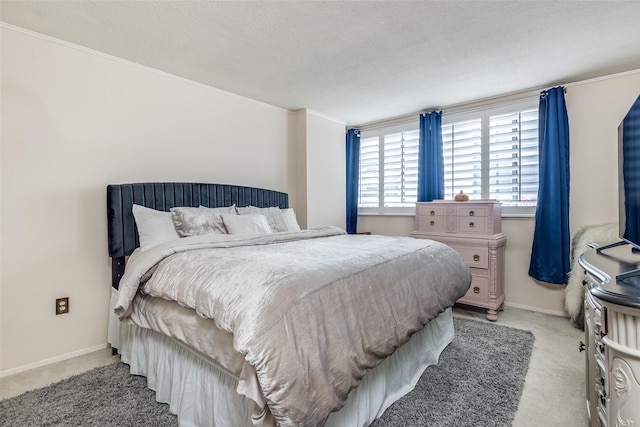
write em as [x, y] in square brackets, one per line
[531, 217]
[412, 214]
[516, 216]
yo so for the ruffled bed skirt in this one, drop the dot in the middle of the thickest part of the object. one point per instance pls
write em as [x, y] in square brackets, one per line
[201, 393]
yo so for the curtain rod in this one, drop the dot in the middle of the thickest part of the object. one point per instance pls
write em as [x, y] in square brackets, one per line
[453, 109]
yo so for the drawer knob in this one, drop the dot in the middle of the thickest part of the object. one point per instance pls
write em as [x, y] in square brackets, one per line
[433, 213]
[471, 224]
[476, 290]
[471, 213]
[476, 257]
[432, 223]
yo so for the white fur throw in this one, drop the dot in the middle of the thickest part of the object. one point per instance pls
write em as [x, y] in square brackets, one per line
[574, 292]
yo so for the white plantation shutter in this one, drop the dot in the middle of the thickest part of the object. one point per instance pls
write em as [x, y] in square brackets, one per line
[490, 153]
[462, 152]
[493, 154]
[401, 169]
[513, 165]
[529, 158]
[389, 169]
[369, 172]
[411, 146]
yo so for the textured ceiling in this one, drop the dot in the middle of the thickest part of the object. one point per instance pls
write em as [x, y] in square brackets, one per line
[356, 61]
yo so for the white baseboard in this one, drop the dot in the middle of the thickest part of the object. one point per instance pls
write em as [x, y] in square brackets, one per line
[538, 309]
[56, 359]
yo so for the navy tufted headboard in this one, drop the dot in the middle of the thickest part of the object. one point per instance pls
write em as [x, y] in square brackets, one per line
[122, 232]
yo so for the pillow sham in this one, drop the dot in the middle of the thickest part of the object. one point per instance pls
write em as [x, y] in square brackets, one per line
[246, 224]
[273, 215]
[154, 226]
[290, 220]
[196, 221]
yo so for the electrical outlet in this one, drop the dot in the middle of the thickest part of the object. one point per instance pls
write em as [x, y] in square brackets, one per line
[62, 305]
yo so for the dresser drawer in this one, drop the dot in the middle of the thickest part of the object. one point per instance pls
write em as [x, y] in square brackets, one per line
[472, 211]
[478, 292]
[475, 256]
[429, 223]
[429, 209]
[472, 225]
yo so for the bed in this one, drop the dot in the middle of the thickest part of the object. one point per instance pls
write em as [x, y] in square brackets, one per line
[268, 324]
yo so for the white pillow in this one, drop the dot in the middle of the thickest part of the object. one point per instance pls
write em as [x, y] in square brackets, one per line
[196, 221]
[154, 227]
[290, 220]
[273, 215]
[246, 224]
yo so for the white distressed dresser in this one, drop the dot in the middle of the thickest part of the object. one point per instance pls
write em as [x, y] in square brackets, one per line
[474, 229]
[612, 337]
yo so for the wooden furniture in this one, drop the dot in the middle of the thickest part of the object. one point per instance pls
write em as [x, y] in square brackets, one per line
[612, 337]
[474, 229]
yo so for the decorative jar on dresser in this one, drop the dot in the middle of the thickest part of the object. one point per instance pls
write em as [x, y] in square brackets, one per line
[474, 229]
[612, 336]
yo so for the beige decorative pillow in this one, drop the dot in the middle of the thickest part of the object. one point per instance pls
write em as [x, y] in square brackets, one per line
[196, 221]
[273, 215]
[246, 224]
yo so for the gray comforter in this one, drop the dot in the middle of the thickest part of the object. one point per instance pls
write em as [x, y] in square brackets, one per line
[310, 310]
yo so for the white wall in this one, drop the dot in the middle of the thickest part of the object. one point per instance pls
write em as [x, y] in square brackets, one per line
[299, 171]
[595, 109]
[320, 169]
[325, 171]
[74, 121]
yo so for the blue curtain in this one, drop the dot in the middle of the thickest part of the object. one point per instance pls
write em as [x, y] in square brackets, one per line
[631, 172]
[550, 254]
[353, 174]
[430, 161]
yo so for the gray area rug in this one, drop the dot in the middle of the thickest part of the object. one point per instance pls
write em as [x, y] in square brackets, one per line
[478, 382]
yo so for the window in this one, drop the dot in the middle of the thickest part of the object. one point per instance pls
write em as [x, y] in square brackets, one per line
[488, 154]
[493, 154]
[389, 170]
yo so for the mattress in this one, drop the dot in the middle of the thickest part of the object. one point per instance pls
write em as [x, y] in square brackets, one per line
[185, 325]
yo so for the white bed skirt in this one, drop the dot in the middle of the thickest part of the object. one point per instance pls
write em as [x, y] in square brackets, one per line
[203, 394]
